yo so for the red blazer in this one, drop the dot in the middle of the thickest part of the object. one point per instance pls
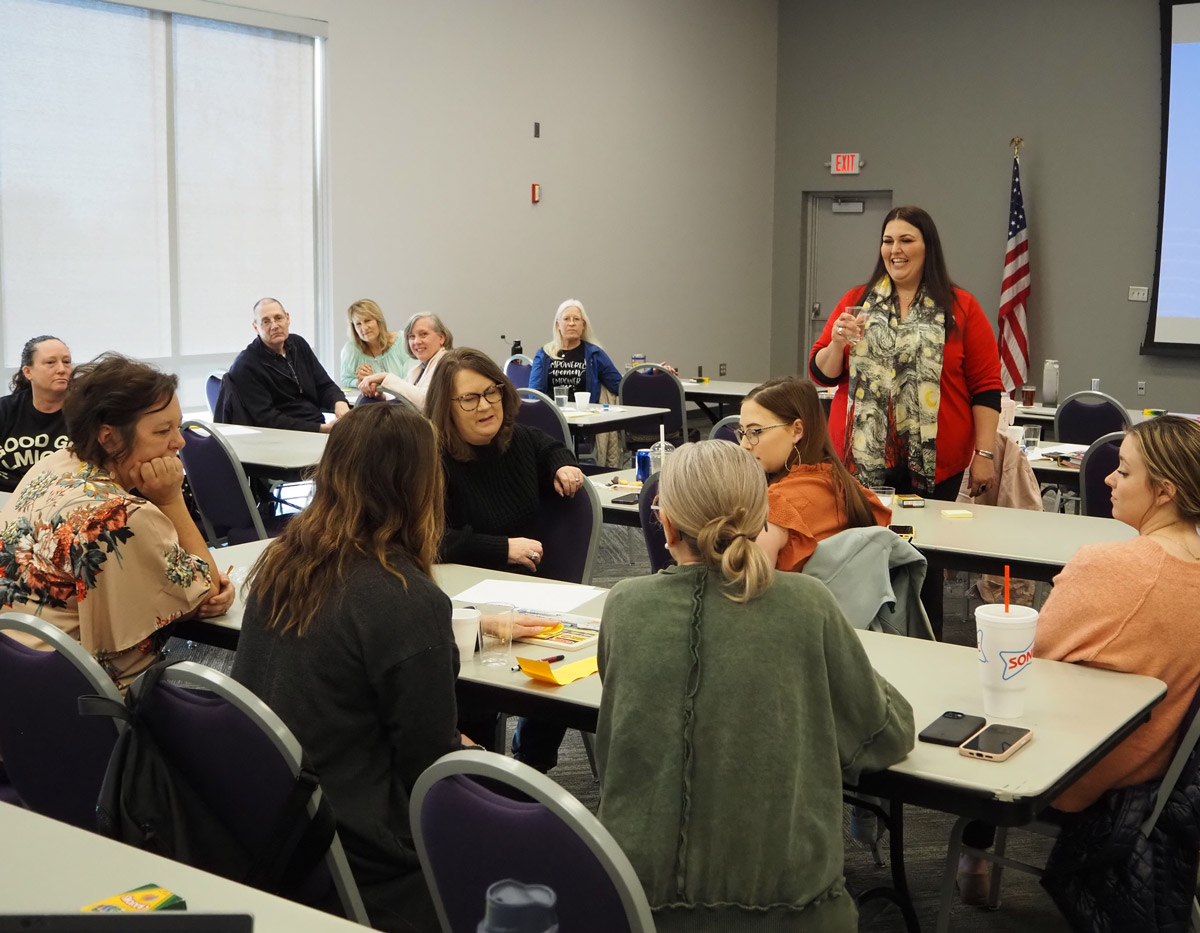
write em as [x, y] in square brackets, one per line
[970, 364]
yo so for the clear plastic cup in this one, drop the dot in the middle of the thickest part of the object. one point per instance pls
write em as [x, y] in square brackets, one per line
[560, 396]
[495, 634]
[884, 494]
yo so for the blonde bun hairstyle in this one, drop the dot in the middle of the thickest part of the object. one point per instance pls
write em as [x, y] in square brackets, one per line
[715, 495]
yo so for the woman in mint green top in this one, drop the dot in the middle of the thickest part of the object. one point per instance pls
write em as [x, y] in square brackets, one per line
[737, 700]
[372, 348]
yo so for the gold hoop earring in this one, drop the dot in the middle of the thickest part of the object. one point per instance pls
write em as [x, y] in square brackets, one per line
[792, 467]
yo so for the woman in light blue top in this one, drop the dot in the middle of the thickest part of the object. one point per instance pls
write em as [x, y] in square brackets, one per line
[372, 348]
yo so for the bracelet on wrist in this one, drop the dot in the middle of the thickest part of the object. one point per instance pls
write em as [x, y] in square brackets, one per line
[986, 454]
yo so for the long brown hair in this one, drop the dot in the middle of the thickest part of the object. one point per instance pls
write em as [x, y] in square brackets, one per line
[934, 276]
[792, 397]
[377, 492]
[441, 397]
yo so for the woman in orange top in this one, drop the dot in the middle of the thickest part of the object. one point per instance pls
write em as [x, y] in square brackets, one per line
[811, 495]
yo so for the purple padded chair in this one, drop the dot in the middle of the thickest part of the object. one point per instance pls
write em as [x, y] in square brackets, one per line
[654, 386]
[55, 758]
[244, 762]
[212, 390]
[221, 489]
[1085, 416]
[725, 429]
[569, 529]
[1099, 460]
[539, 411]
[469, 836]
[518, 367]
[652, 529]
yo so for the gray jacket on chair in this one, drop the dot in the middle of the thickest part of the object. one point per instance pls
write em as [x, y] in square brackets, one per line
[876, 577]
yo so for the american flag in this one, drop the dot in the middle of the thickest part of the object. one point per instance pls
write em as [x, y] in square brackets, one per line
[1014, 292]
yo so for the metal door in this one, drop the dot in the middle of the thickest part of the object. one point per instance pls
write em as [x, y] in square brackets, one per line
[841, 243]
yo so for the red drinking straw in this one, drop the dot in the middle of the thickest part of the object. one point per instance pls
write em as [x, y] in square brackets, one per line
[1006, 589]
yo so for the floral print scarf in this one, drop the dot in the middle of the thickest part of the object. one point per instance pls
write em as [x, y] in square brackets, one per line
[895, 385]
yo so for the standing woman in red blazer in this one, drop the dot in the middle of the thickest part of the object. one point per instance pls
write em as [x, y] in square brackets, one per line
[916, 367]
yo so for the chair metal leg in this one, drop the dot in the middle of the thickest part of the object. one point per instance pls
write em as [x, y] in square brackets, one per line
[950, 875]
[589, 747]
[993, 898]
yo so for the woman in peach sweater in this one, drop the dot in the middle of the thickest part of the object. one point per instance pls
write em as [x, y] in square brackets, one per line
[1131, 605]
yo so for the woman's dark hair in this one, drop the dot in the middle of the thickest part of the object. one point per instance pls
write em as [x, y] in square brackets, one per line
[934, 276]
[440, 399]
[20, 382]
[792, 397]
[116, 391]
[377, 493]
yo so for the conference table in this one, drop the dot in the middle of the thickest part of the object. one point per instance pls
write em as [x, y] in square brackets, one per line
[722, 392]
[597, 418]
[1077, 714]
[50, 867]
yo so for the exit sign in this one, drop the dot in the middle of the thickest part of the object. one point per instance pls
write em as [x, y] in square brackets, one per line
[844, 163]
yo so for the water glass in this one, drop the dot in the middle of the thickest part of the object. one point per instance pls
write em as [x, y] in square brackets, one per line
[884, 494]
[560, 396]
[1031, 437]
[495, 634]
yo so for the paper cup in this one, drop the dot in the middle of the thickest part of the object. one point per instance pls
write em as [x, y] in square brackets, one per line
[1005, 643]
[466, 632]
[1015, 433]
[583, 401]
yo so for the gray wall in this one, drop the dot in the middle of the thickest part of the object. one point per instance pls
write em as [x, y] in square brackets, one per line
[656, 162]
[930, 93]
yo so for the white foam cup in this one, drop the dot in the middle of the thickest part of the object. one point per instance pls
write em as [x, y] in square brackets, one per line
[1005, 643]
[583, 401]
[465, 623]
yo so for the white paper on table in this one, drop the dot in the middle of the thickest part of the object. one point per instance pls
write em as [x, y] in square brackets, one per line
[1063, 449]
[542, 597]
[225, 430]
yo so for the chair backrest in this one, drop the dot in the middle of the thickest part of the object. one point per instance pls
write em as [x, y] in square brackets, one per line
[518, 367]
[652, 529]
[724, 429]
[219, 484]
[244, 762]
[228, 407]
[654, 386]
[55, 758]
[569, 529]
[1085, 416]
[1099, 461]
[469, 836]
[212, 389]
[539, 411]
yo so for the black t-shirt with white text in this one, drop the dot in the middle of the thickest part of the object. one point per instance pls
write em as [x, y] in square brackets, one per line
[569, 370]
[26, 436]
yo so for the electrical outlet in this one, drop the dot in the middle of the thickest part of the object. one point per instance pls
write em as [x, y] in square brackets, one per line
[722, 369]
[1141, 388]
[1139, 293]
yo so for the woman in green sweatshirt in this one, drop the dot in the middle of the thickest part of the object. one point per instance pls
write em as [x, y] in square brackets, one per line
[736, 703]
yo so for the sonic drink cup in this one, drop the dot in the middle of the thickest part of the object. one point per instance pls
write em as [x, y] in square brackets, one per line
[1005, 642]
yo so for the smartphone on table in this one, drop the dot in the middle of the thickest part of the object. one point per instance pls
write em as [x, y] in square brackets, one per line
[630, 498]
[996, 743]
[904, 531]
[952, 728]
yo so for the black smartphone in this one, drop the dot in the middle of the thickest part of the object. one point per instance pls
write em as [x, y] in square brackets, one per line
[904, 531]
[952, 728]
[996, 743]
[630, 498]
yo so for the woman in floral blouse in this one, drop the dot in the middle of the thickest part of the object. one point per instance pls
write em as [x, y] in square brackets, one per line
[97, 538]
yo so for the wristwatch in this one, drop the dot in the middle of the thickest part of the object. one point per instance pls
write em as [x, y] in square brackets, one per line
[986, 454]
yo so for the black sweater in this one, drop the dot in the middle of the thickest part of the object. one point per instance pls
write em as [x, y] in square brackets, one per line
[497, 496]
[289, 391]
[369, 692]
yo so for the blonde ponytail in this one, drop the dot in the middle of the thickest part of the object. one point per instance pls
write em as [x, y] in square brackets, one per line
[716, 496]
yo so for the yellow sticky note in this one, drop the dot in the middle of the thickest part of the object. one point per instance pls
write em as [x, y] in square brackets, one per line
[553, 629]
[541, 670]
[956, 513]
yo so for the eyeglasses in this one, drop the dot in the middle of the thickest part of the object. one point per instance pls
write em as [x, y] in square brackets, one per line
[470, 401]
[753, 434]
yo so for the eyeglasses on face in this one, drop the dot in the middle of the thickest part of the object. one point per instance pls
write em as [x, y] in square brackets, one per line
[753, 434]
[470, 401]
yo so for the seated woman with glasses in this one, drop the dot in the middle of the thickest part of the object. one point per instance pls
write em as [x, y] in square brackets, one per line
[497, 471]
[732, 818]
[812, 495]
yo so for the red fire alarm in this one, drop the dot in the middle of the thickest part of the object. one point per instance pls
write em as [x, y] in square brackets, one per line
[537, 193]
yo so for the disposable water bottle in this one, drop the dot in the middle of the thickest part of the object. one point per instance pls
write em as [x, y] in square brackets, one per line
[517, 349]
[1050, 383]
[636, 361]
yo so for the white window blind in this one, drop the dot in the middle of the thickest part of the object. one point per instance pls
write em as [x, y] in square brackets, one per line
[156, 179]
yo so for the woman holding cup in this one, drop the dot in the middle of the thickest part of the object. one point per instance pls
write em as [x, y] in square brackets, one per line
[917, 370]
[347, 637]
[1147, 620]
[811, 495]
